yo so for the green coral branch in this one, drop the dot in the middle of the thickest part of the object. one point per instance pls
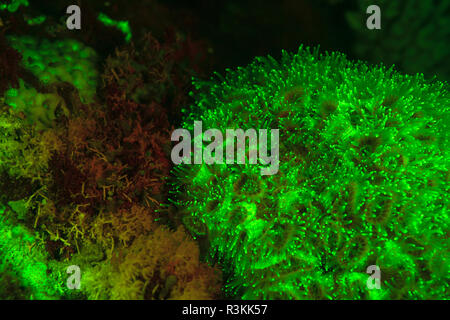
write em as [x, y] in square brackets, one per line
[14, 5]
[123, 26]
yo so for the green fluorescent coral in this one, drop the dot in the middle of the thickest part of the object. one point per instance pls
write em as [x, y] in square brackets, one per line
[36, 20]
[123, 26]
[27, 260]
[14, 5]
[363, 180]
[63, 61]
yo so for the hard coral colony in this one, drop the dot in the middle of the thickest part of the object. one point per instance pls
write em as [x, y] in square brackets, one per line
[363, 181]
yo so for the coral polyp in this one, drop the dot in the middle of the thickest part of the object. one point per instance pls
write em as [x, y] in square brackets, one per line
[363, 180]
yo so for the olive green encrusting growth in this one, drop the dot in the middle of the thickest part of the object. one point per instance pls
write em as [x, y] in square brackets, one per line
[363, 180]
[58, 69]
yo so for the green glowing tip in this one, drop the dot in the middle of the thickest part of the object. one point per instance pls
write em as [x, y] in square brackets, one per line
[123, 26]
[363, 180]
[14, 5]
[36, 20]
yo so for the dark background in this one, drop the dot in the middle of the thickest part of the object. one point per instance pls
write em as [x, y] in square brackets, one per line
[414, 37]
